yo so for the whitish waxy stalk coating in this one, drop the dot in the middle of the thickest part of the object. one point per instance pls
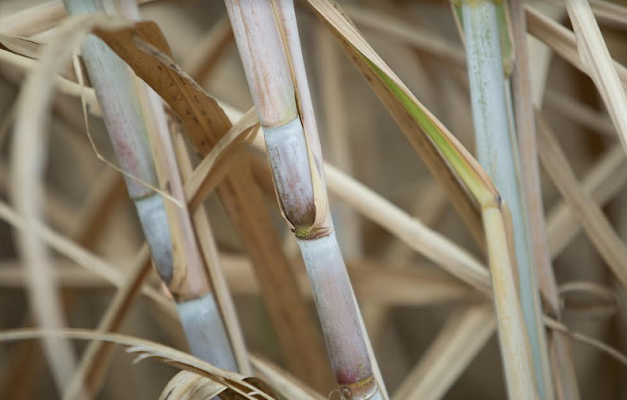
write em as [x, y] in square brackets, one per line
[267, 39]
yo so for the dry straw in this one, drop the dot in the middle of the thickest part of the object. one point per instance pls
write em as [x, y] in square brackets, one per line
[160, 120]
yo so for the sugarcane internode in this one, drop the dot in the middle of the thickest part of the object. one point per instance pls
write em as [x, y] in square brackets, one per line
[288, 156]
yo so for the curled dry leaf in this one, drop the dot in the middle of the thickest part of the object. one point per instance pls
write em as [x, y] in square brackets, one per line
[190, 386]
[145, 349]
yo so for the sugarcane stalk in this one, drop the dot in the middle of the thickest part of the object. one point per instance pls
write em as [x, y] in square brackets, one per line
[205, 125]
[562, 364]
[130, 111]
[267, 39]
[498, 154]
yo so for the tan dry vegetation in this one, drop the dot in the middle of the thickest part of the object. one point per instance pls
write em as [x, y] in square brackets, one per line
[430, 247]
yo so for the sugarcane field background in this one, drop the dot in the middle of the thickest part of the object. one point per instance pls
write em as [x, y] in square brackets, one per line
[313, 199]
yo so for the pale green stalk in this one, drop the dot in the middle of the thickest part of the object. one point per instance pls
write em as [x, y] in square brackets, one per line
[115, 86]
[267, 39]
[498, 154]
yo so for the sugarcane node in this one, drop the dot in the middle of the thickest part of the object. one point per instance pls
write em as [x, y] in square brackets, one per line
[361, 390]
[311, 232]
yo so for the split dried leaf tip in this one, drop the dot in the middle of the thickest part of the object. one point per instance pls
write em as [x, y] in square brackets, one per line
[267, 38]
